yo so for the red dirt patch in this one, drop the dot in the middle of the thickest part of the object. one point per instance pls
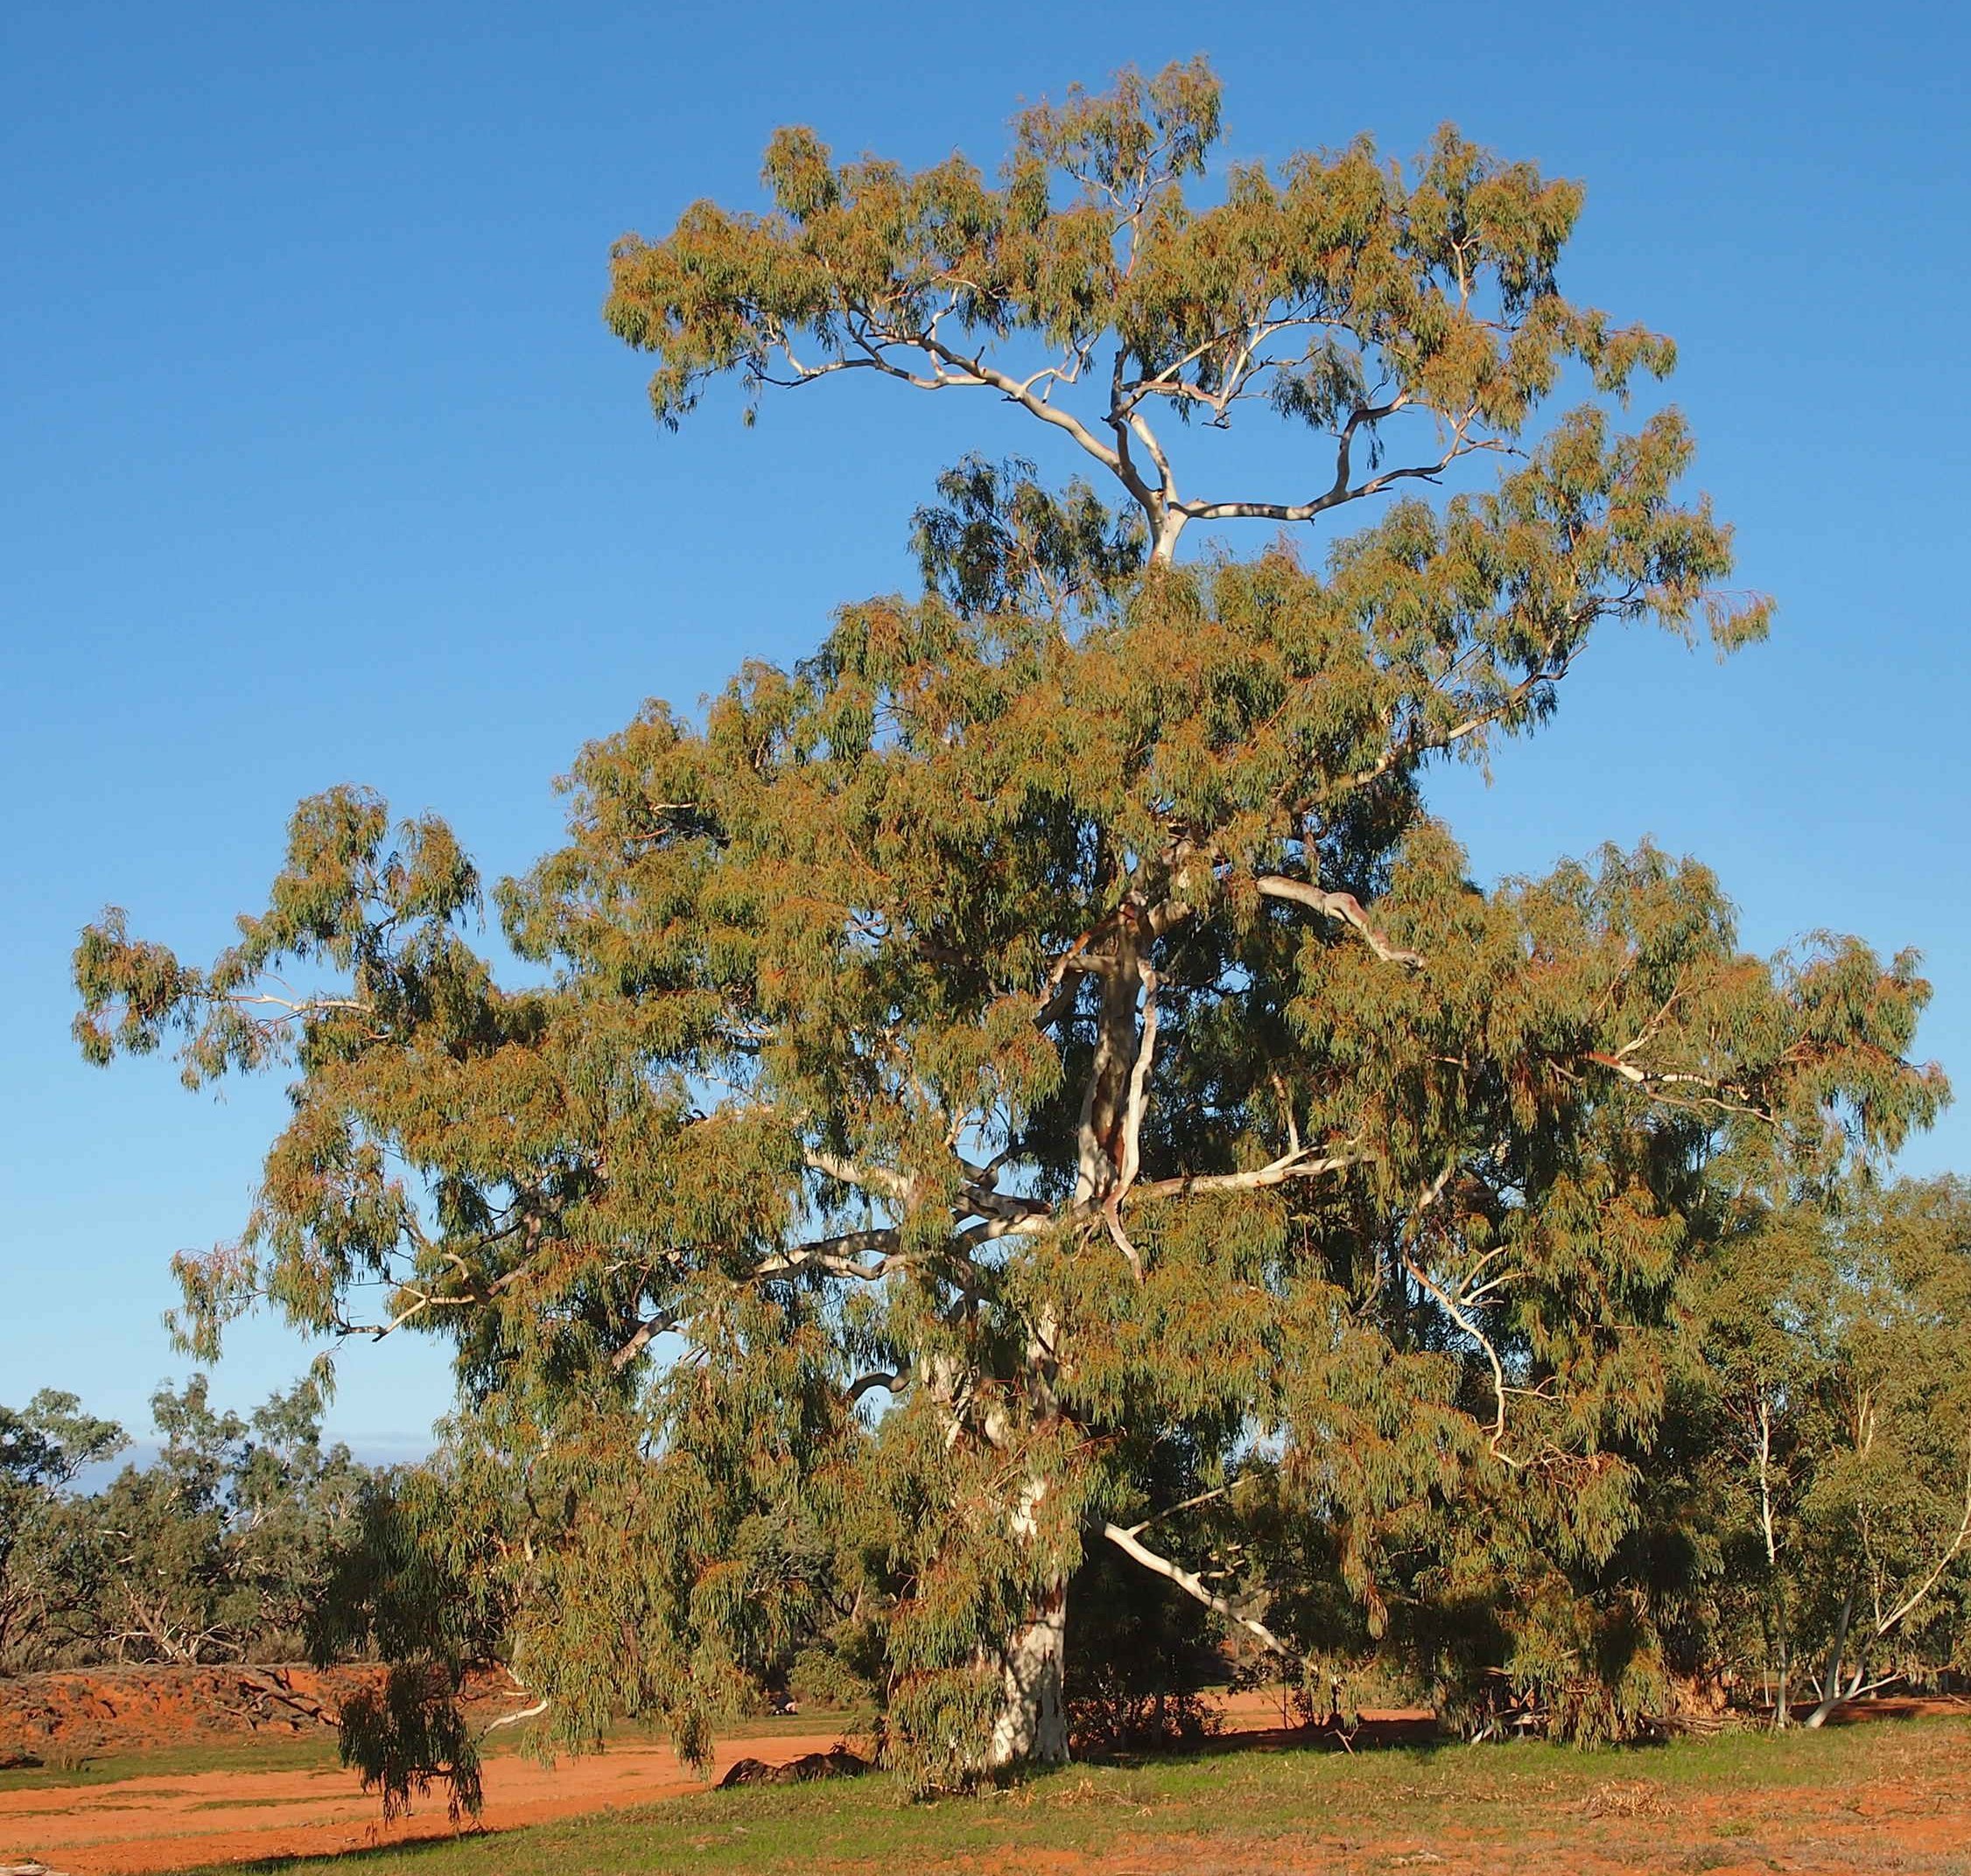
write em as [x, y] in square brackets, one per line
[156, 1822]
[140, 1825]
[98, 1712]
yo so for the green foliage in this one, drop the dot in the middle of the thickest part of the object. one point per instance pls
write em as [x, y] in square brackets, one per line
[415, 1578]
[46, 1567]
[1839, 1387]
[1090, 290]
[216, 1550]
[407, 1734]
[1048, 1014]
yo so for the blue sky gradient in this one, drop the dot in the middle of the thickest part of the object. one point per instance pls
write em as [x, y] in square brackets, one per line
[320, 467]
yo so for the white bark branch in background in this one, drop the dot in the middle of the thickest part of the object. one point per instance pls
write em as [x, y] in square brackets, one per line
[514, 1720]
[1194, 1587]
[1301, 1163]
[892, 1185]
[1342, 906]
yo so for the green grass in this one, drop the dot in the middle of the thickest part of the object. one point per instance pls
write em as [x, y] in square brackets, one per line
[240, 1805]
[1219, 1804]
[278, 1754]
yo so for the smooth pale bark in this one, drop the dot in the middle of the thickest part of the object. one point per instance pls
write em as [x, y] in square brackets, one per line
[1194, 1586]
[1830, 1693]
[1031, 1726]
[1781, 1714]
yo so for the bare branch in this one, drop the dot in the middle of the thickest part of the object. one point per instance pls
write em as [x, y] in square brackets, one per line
[962, 370]
[647, 1332]
[1340, 493]
[1411, 747]
[1344, 906]
[1943, 1563]
[1458, 1314]
[1036, 1223]
[1188, 1504]
[514, 1720]
[895, 1185]
[891, 1381]
[1294, 1165]
[838, 1256]
[424, 1300]
[1194, 1586]
[300, 1006]
[1099, 1148]
[1137, 1102]
[1721, 1095]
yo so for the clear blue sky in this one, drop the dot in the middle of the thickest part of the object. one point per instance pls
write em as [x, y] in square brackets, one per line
[320, 467]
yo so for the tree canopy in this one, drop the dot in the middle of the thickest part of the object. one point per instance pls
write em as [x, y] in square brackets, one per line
[1036, 1075]
[216, 1550]
[43, 1447]
[1089, 292]
[1838, 1466]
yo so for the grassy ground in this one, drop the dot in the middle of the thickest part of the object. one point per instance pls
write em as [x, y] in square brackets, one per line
[252, 1754]
[1876, 1798]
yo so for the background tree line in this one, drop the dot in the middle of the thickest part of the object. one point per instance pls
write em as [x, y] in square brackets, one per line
[216, 1550]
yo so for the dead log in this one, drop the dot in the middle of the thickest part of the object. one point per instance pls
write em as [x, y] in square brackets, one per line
[839, 1763]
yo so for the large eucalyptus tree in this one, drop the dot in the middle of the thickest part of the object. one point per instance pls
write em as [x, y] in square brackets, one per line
[1036, 1075]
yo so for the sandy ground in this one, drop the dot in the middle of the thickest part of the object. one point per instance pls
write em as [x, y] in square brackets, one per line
[172, 1823]
[148, 1823]
[1913, 1817]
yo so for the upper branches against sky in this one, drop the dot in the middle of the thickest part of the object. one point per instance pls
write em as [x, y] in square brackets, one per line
[1409, 322]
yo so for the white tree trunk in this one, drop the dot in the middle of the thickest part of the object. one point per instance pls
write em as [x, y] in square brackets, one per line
[1031, 1726]
[1831, 1694]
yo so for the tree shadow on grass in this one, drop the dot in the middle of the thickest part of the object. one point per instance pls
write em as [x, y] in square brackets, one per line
[1422, 1732]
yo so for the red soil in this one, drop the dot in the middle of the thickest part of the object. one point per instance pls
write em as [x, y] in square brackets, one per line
[99, 1712]
[167, 1822]
[164, 1821]
[1917, 1821]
